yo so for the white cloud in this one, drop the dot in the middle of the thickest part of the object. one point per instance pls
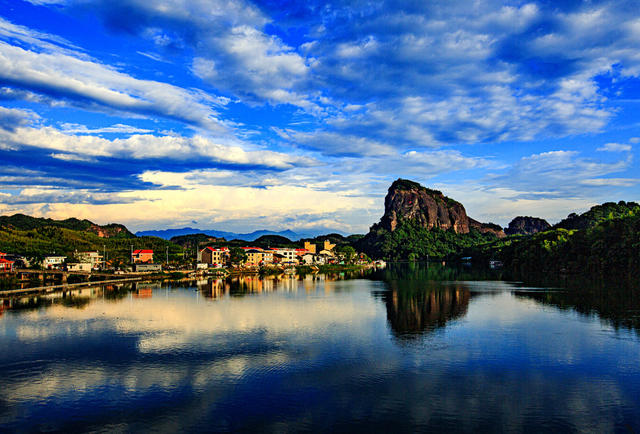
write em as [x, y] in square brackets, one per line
[614, 147]
[253, 65]
[81, 145]
[145, 146]
[53, 70]
[70, 128]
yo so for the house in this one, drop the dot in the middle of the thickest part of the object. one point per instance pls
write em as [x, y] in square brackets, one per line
[215, 257]
[53, 262]
[308, 259]
[80, 266]
[5, 264]
[94, 258]
[142, 256]
[18, 260]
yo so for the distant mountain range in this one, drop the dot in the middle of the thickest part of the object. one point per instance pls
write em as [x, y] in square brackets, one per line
[167, 234]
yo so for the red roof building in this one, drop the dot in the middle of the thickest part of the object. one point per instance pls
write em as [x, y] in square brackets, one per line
[142, 256]
[5, 264]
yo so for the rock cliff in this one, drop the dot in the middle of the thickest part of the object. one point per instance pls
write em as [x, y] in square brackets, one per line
[429, 208]
[527, 226]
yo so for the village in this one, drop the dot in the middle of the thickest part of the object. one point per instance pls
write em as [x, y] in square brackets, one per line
[208, 259]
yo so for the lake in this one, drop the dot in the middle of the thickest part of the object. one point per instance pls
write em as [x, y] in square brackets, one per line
[404, 349]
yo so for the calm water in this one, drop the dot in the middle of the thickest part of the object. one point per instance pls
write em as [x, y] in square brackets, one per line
[391, 352]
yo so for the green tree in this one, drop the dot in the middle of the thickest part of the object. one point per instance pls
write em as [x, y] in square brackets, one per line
[237, 255]
[348, 252]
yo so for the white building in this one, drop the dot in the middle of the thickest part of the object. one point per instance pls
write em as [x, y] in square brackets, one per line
[80, 266]
[94, 258]
[289, 255]
[50, 262]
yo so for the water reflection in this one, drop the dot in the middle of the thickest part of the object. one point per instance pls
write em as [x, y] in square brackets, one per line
[619, 307]
[312, 353]
[413, 312]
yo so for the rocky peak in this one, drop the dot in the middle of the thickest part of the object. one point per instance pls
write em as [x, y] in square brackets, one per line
[429, 208]
[525, 225]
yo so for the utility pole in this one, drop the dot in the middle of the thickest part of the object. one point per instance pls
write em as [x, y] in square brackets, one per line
[167, 255]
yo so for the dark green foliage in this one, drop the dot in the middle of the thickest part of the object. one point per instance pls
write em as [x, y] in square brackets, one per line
[410, 240]
[348, 252]
[193, 241]
[25, 222]
[608, 251]
[272, 241]
[336, 239]
[47, 240]
[237, 255]
[493, 226]
[599, 213]
[405, 184]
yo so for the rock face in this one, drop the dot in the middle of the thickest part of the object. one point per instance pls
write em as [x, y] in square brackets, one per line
[527, 226]
[110, 231]
[429, 208]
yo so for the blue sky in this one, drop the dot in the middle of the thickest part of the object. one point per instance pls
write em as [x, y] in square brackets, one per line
[241, 115]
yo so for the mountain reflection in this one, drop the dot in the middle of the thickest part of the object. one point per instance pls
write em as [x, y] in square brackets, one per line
[412, 312]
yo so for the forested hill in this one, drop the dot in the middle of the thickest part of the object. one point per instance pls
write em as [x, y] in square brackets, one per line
[36, 238]
[600, 245]
[25, 222]
[599, 213]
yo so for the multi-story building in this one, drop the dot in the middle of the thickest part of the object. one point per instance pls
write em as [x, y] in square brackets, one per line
[310, 247]
[267, 257]
[93, 258]
[216, 257]
[142, 256]
[254, 256]
[289, 255]
[328, 246]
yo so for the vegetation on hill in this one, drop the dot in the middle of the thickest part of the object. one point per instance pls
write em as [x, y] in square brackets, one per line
[193, 241]
[606, 247]
[272, 241]
[413, 242]
[609, 250]
[25, 222]
[599, 213]
[42, 241]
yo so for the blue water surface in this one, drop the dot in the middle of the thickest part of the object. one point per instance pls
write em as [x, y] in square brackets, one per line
[317, 353]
